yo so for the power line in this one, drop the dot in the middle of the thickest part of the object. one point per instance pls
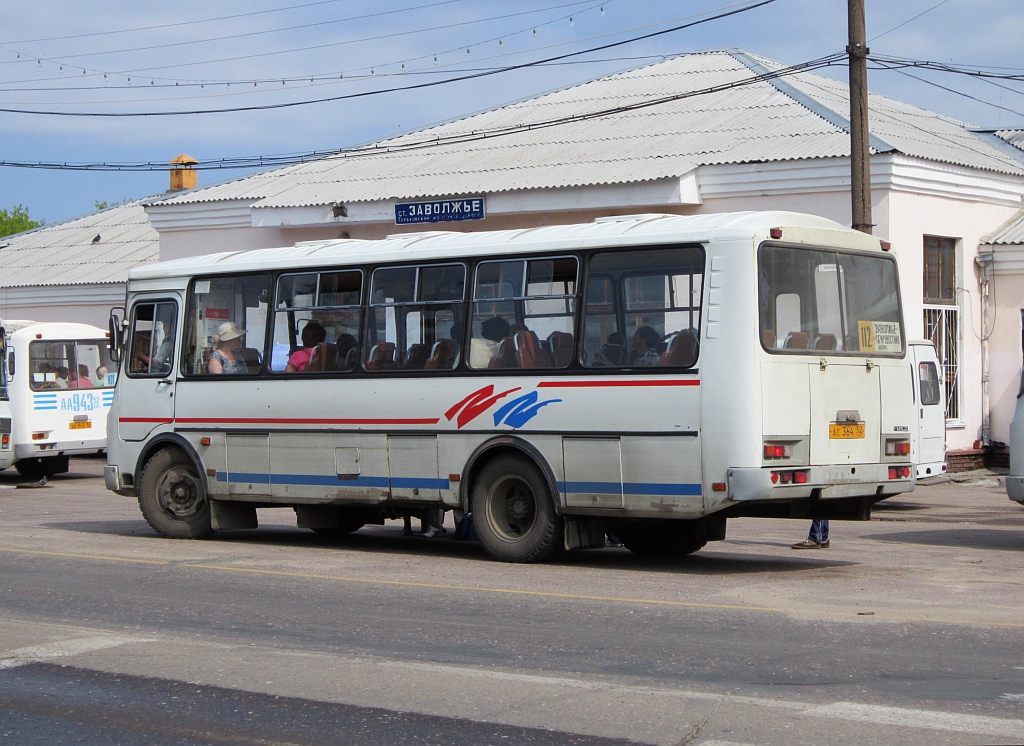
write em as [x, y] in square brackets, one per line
[202, 20]
[434, 141]
[364, 94]
[63, 59]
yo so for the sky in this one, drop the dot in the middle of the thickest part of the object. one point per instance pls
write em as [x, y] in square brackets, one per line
[64, 64]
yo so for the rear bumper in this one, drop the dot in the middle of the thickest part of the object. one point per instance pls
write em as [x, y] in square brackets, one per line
[46, 449]
[823, 482]
[1015, 488]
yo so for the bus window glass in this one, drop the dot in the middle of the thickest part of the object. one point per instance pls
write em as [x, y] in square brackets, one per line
[152, 338]
[69, 364]
[524, 314]
[826, 301]
[328, 304]
[414, 318]
[643, 308]
[226, 324]
[931, 394]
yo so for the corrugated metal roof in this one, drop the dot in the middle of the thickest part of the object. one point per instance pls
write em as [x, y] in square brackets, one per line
[749, 123]
[64, 253]
[1014, 137]
[1012, 232]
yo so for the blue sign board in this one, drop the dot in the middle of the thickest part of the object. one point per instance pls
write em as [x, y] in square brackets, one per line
[439, 210]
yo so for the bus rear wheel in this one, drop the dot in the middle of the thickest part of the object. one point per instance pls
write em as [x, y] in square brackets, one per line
[663, 538]
[37, 468]
[514, 513]
[172, 496]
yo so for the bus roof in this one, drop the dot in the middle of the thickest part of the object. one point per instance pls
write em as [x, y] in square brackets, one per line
[52, 330]
[622, 230]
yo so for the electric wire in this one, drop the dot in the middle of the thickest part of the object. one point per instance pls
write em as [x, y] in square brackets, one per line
[410, 143]
[363, 94]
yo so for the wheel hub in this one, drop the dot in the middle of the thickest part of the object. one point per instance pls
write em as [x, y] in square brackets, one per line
[181, 495]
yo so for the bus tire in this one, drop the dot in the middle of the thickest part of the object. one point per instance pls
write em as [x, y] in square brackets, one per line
[663, 538]
[514, 513]
[172, 496]
[37, 468]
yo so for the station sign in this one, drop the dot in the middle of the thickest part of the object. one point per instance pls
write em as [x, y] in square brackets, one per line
[439, 211]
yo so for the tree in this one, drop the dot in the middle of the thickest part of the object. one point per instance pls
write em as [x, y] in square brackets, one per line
[16, 221]
[101, 206]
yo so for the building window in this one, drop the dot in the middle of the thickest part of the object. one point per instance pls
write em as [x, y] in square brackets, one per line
[940, 270]
[942, 327]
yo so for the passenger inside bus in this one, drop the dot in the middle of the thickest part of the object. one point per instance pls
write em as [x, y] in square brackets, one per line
[226, 357]
[646, 348]
[313, 333]
[483, 349]
[612, 352]
[80, 380]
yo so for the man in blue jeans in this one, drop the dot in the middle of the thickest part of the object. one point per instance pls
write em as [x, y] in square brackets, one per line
[818, 536]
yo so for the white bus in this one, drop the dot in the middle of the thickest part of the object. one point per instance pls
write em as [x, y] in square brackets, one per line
[6, 446]
[650, 375]
[1015, 479]
[60, 385]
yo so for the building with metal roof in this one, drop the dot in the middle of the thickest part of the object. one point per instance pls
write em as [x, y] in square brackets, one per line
[699, 133]
[75, 270]
[706, 132]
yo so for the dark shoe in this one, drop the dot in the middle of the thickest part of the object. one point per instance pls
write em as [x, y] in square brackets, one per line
[824, 544]
[808, 544]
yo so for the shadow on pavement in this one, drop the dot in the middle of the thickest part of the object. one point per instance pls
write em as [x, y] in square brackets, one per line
[713, 560]
[968, 538]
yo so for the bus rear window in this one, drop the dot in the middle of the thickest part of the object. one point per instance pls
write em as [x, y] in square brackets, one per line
[70, 364]
[815, 301]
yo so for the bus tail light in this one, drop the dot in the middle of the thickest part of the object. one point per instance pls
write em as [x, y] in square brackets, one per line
[40, 436]
[897, 447]
[899, 472]
[5, 441]
[777, 450]
[789, 477]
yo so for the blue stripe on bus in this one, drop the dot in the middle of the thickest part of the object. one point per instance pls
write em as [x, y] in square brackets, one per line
[632, 488]
[43, 402]
[323, 480]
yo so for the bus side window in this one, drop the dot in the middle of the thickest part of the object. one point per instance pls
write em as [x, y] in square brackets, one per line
[641, 314]
[930, 392]
[151, 344]
[227, 319]
[415, 318]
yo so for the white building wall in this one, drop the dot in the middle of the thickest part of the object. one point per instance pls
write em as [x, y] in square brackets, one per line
[915, 216]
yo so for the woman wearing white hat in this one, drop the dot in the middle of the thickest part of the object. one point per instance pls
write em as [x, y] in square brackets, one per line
[224, 358]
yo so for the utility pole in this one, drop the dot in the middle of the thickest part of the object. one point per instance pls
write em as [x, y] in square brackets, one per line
[860, 155]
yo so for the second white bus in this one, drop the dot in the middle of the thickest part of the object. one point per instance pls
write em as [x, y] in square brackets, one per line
[650, 375]
[60, 385]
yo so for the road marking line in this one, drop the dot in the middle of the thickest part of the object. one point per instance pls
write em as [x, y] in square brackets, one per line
[62, 649]
[905, 718]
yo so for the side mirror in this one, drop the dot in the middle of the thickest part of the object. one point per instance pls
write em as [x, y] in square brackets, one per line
[114, 333]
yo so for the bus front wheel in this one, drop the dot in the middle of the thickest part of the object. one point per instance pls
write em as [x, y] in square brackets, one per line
[172, 496]
[514, 513]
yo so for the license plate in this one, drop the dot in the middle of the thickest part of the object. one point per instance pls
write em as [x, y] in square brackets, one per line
[80, 425]
[844, 432]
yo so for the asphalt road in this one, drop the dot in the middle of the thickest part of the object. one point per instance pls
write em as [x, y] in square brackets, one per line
[908, 629]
